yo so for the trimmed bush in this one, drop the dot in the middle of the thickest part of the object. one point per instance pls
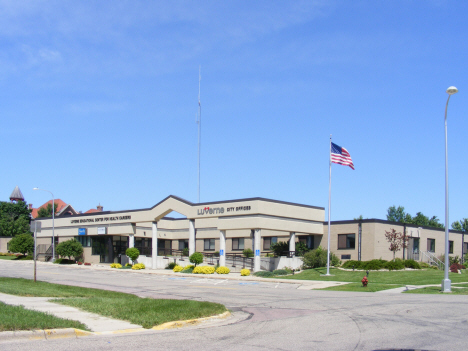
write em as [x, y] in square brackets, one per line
[177, 268]
[248, 253]
[374, 265]
[455, 267]
[318, 258]
[23, 243]
[264, 274]
[171, 265]
[245, 272]
[394, 265]
[280, 272]
[196, 258]
[187, 270]
[116, 265]
[203, 270]
[70, 248]
[133, 253]
[223, 270]
[412, 264]
[349, 264]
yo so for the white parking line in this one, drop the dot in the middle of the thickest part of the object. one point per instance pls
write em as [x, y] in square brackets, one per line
[220, 282]
[198, 280]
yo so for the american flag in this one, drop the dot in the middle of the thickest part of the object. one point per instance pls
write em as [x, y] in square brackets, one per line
[341, 156]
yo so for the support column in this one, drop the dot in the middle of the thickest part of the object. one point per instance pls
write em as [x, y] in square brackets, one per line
[154, 246]
[292, 243]
[222, 248]
[257, 240]
[131, 242]
[191, 242]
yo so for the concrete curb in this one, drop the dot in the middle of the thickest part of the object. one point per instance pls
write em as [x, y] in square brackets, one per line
[53, 334]
[39, 334]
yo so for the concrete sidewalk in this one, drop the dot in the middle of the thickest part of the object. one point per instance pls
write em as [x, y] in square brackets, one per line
[94, 322]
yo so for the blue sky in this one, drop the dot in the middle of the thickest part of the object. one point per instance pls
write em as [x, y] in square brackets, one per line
[99, 102]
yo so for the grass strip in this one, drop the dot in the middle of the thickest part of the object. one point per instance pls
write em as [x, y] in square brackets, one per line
[371, 287]
[143, 311]
[437, 290]
[18, 318]
[7, 257]
[146, 312]
[406, 277]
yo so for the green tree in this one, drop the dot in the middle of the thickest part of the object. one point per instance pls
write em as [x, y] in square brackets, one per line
[133, 253]
[196, 258]
[248, 253]
[22, 243]
[46, 211]
[318, 258]
[461, 225]
[14, 218]
[70, 248]
[396, 214]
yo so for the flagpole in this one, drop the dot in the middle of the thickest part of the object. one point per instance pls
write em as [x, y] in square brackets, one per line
[329, 211]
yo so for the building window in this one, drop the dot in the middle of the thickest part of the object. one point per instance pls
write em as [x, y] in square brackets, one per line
[183, 244]
[450, 246]
[465, 248]
[209, 244]
[238, 244]
[431, 245]
[84, 240]
[346, 241]
[345, 257]
[268, 241]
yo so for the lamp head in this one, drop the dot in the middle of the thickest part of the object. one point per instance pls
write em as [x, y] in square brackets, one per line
[451, 90]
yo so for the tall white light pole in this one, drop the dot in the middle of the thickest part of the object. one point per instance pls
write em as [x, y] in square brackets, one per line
[446, 283]
[199, 131]
[53, 224]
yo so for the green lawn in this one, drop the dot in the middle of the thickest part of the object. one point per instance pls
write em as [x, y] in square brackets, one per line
[143, 311]
[406, 277]
[7, 257]
[19, 318]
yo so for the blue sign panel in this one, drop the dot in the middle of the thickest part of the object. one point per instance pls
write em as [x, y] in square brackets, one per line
[257, 252]
[81, 231]
[221, 252]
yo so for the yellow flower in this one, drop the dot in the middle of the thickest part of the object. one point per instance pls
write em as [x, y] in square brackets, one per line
[245, 272]
[222, 270]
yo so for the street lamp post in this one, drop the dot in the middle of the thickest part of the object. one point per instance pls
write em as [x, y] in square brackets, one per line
[446, 283]
[53, 224]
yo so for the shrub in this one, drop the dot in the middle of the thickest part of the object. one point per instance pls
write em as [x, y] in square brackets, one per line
[455, 267]
[203, 270]
[425, 265]
[374, 265]
[128, 264]
[187, 270]
[216, 254]
[70, 248]
[116, 265]
[245, 272]
[453, 259]
[264, 274]
[23, 243]
[318, 258]
[171, 265]
[412, 264]
[280, 248]
[138, 266]
[394, 265]
[63, 261]
[248, 253]
[185, 252]
[280, 272]
[177, 268]
[349, 264]
[223, 270]
[301, 248]
[132, 253]
[196, 258]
